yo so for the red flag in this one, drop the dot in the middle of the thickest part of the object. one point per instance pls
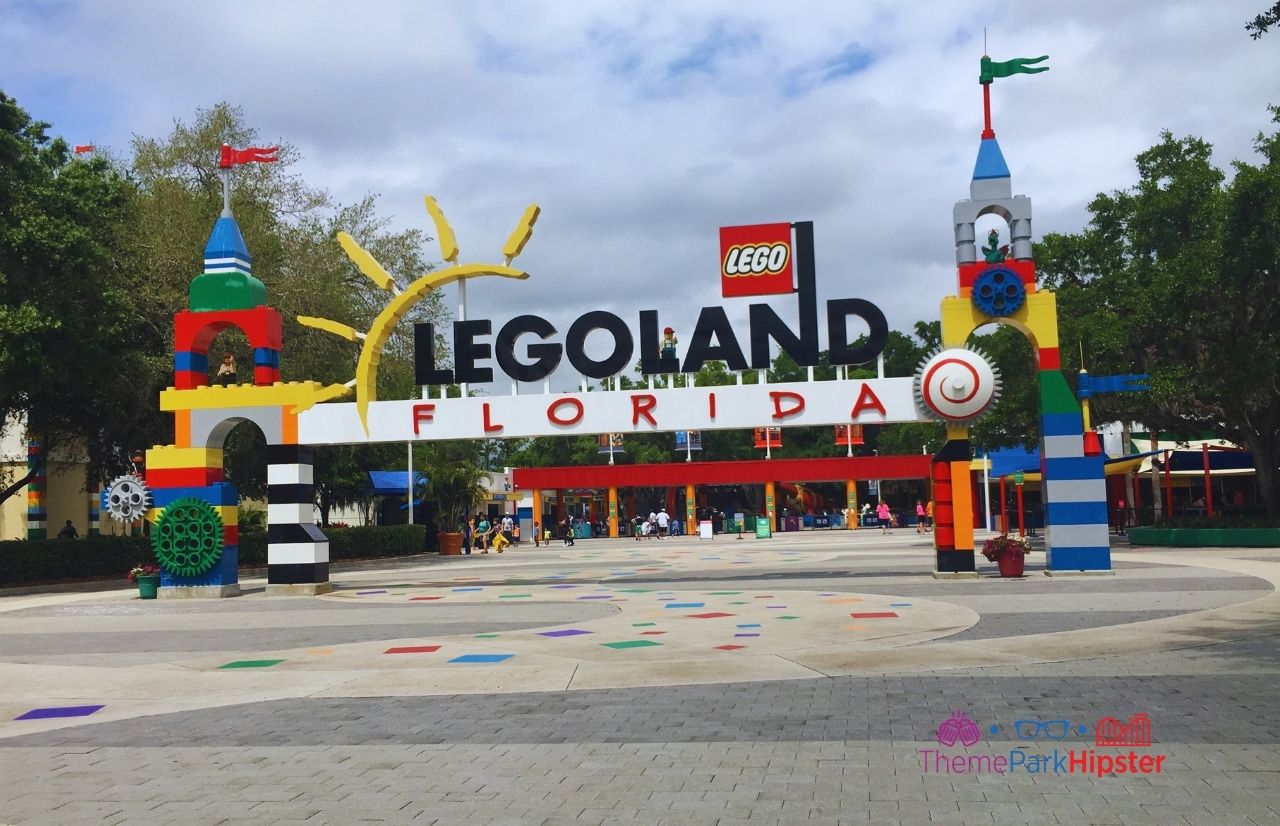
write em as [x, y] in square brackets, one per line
[82, 148]
[250, 154]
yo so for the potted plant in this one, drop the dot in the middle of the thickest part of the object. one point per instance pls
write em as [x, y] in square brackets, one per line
[147, 576]
[455, 481]
[1008, 552]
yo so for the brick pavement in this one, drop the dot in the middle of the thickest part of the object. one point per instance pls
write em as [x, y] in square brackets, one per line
[830, 750]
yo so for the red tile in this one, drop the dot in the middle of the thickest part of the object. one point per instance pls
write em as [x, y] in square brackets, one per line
[730, 647]
[413, 599]
[711, 615]
[413, 649]
[651, 633]
[873, 614]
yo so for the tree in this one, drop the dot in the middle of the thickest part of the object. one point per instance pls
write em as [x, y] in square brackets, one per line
[70, 295]
[1180, 277]
[1259, 25]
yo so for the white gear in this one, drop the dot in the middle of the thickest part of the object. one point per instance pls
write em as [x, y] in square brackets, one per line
[127, 498]
[956, 385]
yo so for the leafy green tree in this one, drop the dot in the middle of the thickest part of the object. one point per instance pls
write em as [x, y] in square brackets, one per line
[70, 295]
[1259, 25]
[1180, 277]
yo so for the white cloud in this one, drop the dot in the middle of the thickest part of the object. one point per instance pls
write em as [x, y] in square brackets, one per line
[641, 128]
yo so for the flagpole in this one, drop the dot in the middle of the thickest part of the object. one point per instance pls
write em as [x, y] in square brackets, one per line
[987, 131]
[226, 192]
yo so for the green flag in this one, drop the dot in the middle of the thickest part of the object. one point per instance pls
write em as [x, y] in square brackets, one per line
[990, 70]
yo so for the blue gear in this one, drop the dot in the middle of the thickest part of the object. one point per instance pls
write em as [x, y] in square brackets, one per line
[998, 292]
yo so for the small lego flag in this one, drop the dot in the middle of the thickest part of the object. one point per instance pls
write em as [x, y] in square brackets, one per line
[989, 70]
[82, 148]
[250, 154]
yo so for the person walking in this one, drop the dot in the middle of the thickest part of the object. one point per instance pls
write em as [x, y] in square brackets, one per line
[885, 517]
[928, 517]
[664, 521]
[920, 516]
[568, 530]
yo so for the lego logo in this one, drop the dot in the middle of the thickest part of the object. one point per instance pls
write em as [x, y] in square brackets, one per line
[756, 259]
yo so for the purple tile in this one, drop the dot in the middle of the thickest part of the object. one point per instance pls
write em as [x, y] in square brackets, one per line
[567, 632]
[746, 635]
[596, 596]
[367, 593]
[562, 586]
[59, 711]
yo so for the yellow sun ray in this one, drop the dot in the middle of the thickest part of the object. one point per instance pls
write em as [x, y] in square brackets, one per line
[330, 326]
[444, 232]
[522, 233]
[367, 264]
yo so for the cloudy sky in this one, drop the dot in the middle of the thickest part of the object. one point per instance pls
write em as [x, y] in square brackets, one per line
[640, 128]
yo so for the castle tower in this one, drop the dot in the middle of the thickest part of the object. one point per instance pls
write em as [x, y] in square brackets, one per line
[999, 286]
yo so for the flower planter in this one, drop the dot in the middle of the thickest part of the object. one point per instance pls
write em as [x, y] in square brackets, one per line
[148, 585]
[1011, 565]
[450, 544]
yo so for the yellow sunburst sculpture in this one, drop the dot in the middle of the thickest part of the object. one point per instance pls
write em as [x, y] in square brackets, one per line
[365, 383]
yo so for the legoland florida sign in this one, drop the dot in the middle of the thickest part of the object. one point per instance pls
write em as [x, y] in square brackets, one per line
[755, 260]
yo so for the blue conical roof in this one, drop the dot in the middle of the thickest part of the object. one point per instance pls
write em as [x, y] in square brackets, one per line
[990, 161]
[226, 242]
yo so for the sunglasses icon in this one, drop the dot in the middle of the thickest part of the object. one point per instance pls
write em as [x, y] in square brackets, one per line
[1034, 729]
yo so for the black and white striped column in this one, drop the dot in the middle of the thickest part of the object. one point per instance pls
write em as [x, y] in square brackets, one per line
[297, 552]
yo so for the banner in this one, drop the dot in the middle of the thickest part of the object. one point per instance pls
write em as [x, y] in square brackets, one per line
[848, 434]
[773, 435]
[611, 443]
[756, 260]
[688, 440]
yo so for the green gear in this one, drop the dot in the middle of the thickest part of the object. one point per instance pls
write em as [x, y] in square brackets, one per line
[188, 537]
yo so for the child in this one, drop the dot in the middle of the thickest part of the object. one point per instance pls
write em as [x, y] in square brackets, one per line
[500, 541]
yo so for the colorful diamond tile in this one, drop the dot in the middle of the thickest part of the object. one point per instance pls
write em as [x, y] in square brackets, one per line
[643, 624]
[482, 658]
[747, 635]
[367, 593]
[764, 596]
[686, 605]
[729, 647]
[723, 593]
[712, 615]
[635, 590]
[775, 606]
[788, 616]
[563, 586]
[564, 632]
[748, 625]
[460, 590]
[741, 602]
[630, 644]
[652, 633]
[251, 664]
[486, 636]
[413, 649]
[596, 596]
[514, 596]
[873, 614]
[59, 711]
[899, 605]
[418, 599]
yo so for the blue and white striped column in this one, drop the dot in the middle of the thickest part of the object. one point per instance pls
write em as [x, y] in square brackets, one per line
[297, 552]
[1075, 491]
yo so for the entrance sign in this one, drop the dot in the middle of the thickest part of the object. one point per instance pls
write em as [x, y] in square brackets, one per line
[873, 401]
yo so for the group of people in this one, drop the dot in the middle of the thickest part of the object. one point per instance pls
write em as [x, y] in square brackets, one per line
[658, 524]
[887, 519]
[480, 533]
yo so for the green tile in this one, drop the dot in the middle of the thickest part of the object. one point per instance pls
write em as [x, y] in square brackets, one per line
[635, 590]
[514, 596]
[251, 664]
[743, 602]
[630, 644]
[788, 616]
[643, 624]
[486, 636]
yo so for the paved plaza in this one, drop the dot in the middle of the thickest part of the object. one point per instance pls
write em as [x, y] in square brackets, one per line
[822, 677]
